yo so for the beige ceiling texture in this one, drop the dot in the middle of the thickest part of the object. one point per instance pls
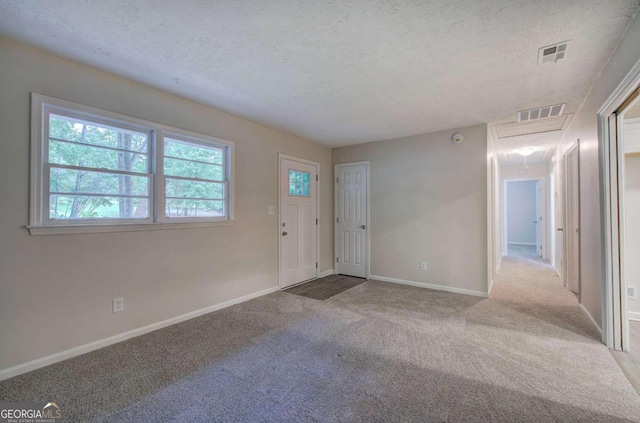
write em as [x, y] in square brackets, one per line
[339, 72]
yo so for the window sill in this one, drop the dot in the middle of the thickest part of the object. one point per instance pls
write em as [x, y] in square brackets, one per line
[127, 227]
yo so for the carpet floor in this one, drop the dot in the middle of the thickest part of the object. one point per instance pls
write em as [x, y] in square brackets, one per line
[378, 352]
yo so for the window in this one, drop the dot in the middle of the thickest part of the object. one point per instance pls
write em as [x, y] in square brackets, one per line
[92, 168]
[299, 183]
[194, 179]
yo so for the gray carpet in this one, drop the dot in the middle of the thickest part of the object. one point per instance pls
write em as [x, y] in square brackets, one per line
[377, 352]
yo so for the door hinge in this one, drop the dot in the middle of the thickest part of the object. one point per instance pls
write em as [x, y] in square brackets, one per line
[316, 220]
[336, 180]
[337, 219]
[336, 259]
[316, 264]
[316, 178]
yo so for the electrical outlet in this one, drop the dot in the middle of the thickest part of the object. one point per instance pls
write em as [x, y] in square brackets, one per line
[423, 265]
[118, 305]
[632, 292]
[271, 210]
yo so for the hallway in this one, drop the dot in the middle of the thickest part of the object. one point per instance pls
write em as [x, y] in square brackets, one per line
[532, 288]
[523, 251]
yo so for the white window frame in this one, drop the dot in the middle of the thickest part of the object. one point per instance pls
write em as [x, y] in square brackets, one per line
[39, 222]
[179, 135]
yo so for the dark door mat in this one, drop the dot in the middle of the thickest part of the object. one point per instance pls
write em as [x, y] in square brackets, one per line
[325, 288]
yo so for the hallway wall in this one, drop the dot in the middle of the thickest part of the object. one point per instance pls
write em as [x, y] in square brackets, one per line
[585, 127]
[428, 203]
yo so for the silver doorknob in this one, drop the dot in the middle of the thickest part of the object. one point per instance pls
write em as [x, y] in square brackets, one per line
[559, 229]
[284, 233]
[363, 227]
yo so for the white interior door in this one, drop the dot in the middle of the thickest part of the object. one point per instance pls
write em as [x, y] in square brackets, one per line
[572, 228]
[352, 196]
[298, 221]
[541, 224]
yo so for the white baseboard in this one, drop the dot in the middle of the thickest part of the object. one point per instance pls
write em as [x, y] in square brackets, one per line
[585, 311]
[431, 286]
[326, 273]
[521, 243]
[634, 315]
[490, 286]
[92, 346]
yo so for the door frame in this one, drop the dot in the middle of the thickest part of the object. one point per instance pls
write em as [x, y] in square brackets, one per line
[614, 333]
[367, 165]
[505, 216]
[565, 217]
[282, 156]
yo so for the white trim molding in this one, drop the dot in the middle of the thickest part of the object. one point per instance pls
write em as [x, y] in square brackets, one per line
[634, 315]
[125, 227]
[586, 312]
[92, 346]
[452, 289]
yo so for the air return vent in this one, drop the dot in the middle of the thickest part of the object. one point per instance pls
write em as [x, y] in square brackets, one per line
[552, 53]
[540, 113]
[539, 126]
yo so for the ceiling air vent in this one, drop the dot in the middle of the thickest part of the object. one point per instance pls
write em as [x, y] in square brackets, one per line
[540, 113]
[552, 53]
[539, 126]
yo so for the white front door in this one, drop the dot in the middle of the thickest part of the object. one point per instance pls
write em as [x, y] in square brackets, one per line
[298, 221]
[351, 219]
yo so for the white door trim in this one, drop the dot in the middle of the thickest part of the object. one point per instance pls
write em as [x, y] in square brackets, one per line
[282, 156]
[367, 165]
[612, 336]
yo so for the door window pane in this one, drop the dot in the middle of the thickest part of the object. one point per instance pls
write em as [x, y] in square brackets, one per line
[299, 183]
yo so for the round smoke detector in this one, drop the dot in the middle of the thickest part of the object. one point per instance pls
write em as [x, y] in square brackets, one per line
[457, 138]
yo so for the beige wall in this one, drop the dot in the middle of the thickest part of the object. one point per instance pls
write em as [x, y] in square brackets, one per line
[584, 127]
[632, 229]
[56, 291]
[428, 203]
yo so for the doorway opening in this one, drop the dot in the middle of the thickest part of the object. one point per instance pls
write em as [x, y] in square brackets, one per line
[525, 219]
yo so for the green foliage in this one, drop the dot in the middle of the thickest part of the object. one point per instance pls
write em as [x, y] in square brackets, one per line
[76, 143]
[111, 195]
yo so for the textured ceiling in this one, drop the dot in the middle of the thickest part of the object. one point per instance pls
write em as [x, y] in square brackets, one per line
[339, 72]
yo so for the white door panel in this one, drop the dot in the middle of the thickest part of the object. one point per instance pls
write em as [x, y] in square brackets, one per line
[351, 219]
[298, 222]
[572, 228]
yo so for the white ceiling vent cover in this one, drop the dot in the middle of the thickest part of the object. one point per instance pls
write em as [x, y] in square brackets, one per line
[540, 113]
[552, 53]
[539, 126]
